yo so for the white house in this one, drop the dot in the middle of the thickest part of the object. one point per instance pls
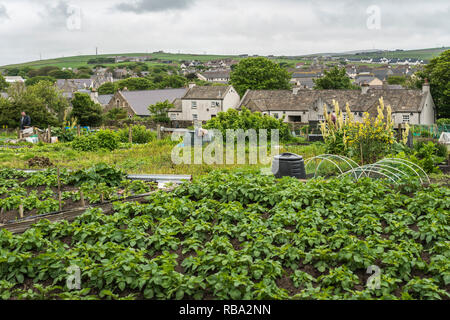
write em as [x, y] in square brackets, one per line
[13, 79]
[204, 102]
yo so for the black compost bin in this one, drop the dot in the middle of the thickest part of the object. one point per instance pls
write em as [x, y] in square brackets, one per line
[288, 165]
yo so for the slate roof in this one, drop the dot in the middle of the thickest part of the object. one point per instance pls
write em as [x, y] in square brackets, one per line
[306, 74]
[78, 83]
[216, 74]
[177, 106]
[206, 92]
[104, 99]
[405, 100]
[140, 100]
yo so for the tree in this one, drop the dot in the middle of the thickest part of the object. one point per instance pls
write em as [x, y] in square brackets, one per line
[159, 111]
[43, 102]
[3, 83]
[85, 110]
[334, 78]
[116, 114]
[133, 84]
[107, 88]
[61, 74]
[259, 74]
[438, 73]
[396, 80]
[35, 80]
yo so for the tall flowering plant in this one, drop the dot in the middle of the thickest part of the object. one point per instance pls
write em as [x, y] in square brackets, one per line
[367, 140]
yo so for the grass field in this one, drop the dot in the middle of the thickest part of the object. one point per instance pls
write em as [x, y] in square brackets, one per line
[151, 158]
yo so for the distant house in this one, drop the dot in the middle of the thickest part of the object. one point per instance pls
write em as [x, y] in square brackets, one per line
[305, 79]
[368, 79]
[70, 86]
[408, 106]
[204, 102]
[13, 79]
[120, 73]
[218, 76]
[137, 102]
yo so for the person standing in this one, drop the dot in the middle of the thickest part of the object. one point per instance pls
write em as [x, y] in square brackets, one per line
[25, 121]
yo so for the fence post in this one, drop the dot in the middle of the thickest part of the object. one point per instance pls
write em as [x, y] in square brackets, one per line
[130, 134]
[158, 131]
[49, 134]
[78, 130]
[59, 191]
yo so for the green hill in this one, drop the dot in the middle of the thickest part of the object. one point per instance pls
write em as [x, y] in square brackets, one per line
[420, 54]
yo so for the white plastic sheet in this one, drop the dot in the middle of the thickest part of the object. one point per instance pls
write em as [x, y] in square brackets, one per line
[445, 138]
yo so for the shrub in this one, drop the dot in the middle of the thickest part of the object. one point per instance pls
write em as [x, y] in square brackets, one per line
[139, 133]
[104, 139]
[443, 121]
[85, 143]
[107, 139]
[245, 120]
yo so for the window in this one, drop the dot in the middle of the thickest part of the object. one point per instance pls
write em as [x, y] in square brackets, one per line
[173, 116]
[294, 118]
[194, 104]
[321, 117]
[275, 115]
[215, 104]
[344, 116]
[195, 116]
[405, 118]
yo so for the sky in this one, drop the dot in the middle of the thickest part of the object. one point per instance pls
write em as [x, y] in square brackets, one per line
[30, 29]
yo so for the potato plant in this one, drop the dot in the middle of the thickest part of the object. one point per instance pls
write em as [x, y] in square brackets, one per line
[243, 236]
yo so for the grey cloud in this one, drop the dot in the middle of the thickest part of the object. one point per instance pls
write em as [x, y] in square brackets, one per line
[142, 6]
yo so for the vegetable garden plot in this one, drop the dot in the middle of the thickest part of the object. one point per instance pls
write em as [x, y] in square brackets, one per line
[243, 236]
[37, 192]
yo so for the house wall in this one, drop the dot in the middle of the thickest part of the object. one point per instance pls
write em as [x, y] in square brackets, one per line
[428, 114]
[204, 110]
[231, 100]
[118, 101]
[397, 117]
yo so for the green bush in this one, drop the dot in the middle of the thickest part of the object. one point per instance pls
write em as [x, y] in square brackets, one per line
[104, 139]
[107, 139]
[443, 121]
[140, 134]
[245, 120]
[85, 143]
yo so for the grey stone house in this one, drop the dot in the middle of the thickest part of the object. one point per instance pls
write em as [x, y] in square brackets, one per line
[302, 106]
[137, 102]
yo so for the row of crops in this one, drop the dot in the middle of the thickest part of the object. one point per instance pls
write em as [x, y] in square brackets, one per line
[40, 192]
[243, 236]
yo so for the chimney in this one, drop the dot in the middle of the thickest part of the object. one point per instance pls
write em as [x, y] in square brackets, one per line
[364, 88]
[295, 90]
[385, 85]
[191, 85]
[426, 86]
